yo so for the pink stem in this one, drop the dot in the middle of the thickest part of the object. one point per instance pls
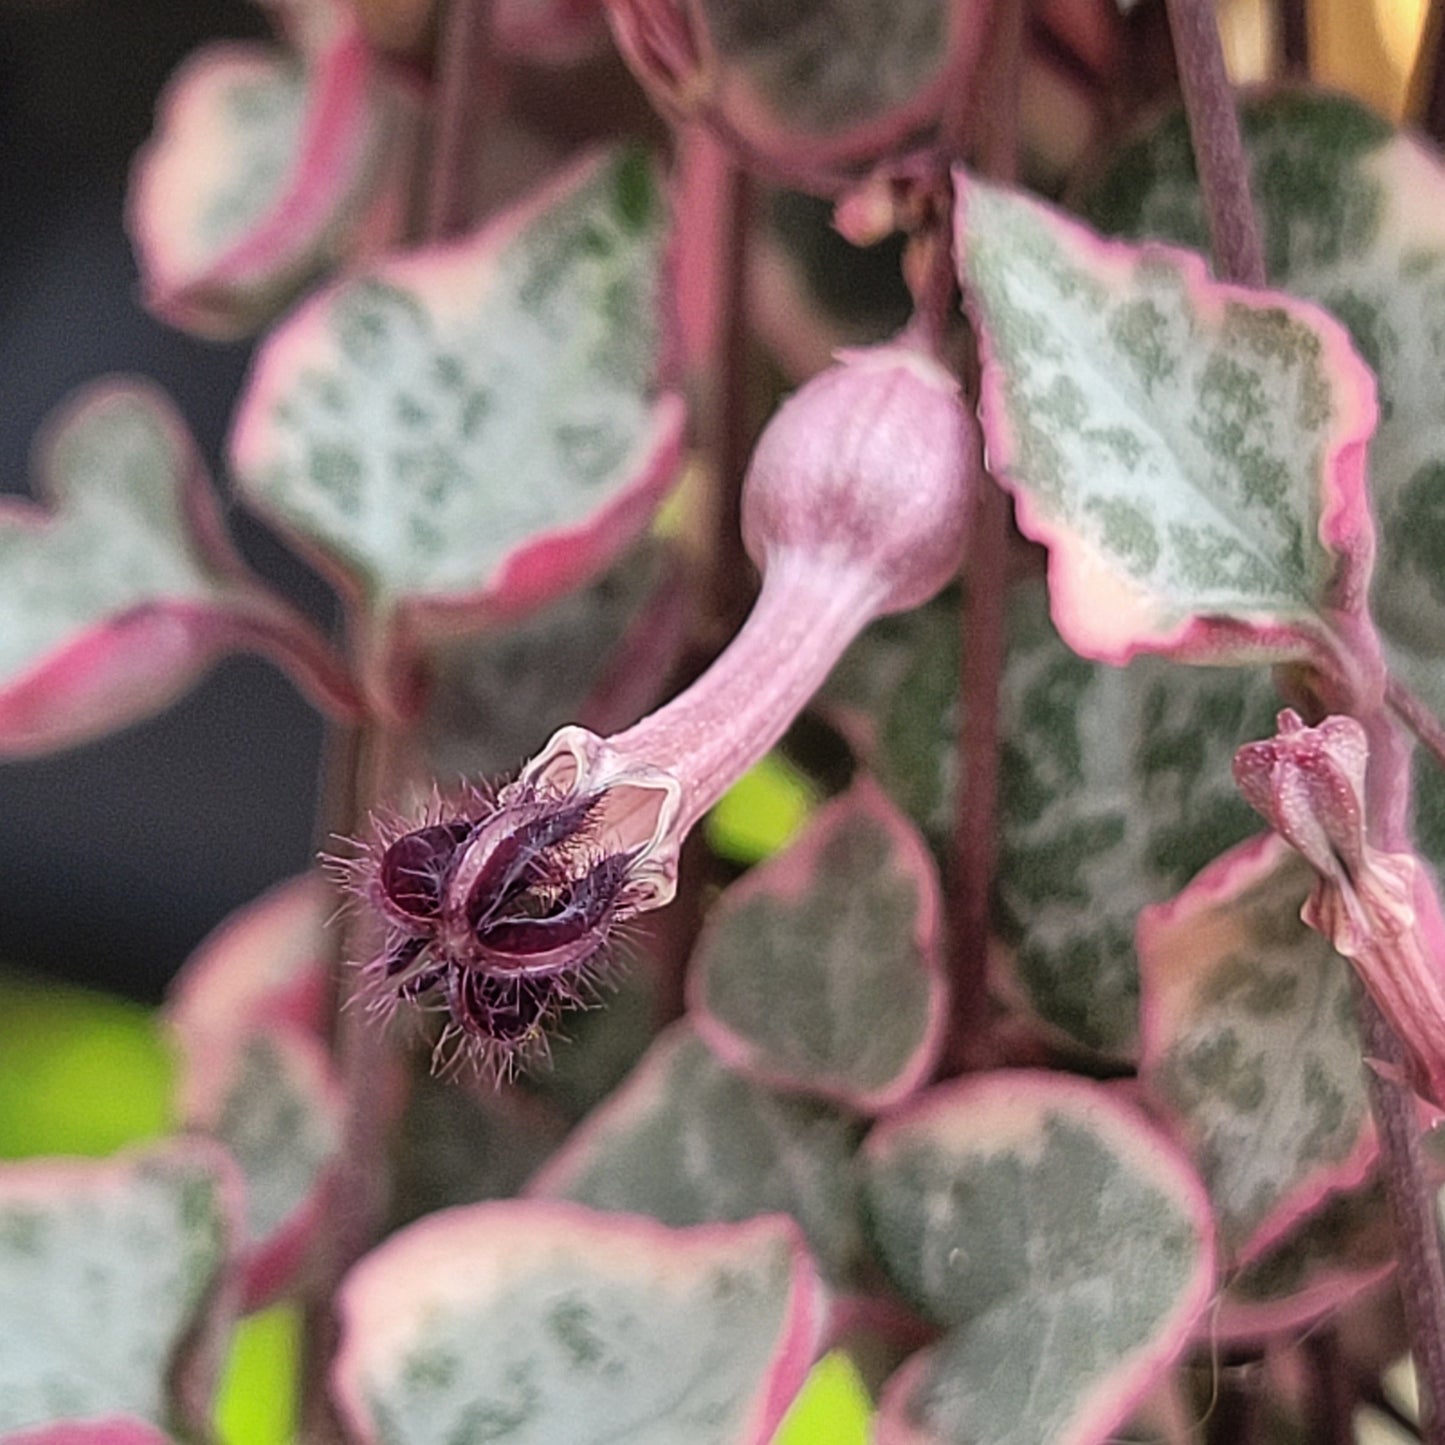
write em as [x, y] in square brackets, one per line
[469, 95]
[983, 644]
[806, 614]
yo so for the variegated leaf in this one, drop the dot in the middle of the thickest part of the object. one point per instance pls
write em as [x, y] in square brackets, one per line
[474, 429]
[1191, 453]
[998, 1204]
[1249, 1042]
[109, 1271]
[689, 1142]
[539, 1322]
[820, 970]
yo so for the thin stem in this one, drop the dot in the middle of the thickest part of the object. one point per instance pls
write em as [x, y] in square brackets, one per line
[1419, 717]
[1218, 146]
[1427, 85]
[1333, 1395]
[975, 828]
[1294, 36]
[1412, 1203]
[469, 94]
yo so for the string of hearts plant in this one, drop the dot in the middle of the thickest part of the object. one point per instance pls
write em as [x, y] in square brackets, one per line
[1030, 1071]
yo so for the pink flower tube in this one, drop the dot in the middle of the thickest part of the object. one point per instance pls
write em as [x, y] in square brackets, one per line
[855, 506]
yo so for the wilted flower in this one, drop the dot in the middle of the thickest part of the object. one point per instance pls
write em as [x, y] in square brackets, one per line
[855, 506]
[1377, 907]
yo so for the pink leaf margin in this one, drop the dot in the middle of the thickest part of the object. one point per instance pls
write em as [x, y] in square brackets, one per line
[451, 1255]
[131, 664]
[992, 1111]
[1102, 615]
[111, 1430]
[345, 114]
[788, 877]
[541, 569]
[1222, 880]
[195, 1368]
[263, 973]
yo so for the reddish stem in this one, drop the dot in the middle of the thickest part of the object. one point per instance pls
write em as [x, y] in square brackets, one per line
[983, 647]
[469, 96]
[1294, 37]
[1218, 145]
[1427, 85]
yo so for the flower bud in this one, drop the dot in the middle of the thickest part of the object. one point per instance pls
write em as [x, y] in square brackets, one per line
[872, 464]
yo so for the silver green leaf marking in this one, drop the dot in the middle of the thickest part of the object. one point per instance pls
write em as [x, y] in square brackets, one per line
[99, 1285]
[830, 988]
[1184, 441]
[438, 439]
[118, 541]
[1261, 1057]
[690, 1142]
[1116, 790]
[1016, 1251]
[566, 1353]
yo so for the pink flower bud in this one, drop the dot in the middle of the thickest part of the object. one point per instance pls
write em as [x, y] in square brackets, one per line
[871, 463]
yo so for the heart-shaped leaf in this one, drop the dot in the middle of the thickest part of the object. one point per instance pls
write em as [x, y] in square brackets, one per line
[276, 1105]
[109, 1274]
[1353, 215]
[1329, 1258]
[998, 1205]
[540, 1322]
[123, 591]
[472, 430]
[1191, 453]
[689, 1142]
[1249, 1043]
[1115, 789]
[263, 168]
[820, 970]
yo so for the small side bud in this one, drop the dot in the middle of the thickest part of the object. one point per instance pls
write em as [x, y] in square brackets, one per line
[872, 463]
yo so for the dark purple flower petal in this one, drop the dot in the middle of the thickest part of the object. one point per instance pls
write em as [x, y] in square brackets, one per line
[414, 870]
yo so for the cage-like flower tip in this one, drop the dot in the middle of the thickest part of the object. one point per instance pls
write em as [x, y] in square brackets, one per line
[501, 915]
[875, 460]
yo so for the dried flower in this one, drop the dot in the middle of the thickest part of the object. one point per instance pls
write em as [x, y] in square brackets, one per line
[1377, 907]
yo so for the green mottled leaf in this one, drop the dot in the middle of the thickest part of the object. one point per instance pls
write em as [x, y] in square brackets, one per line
[477, 426]
[457, 1145]
[536, 1323]
[497, 697]
[689, 1142]
[1324, 1262]
[1354, 218]
[1190, 452]
[1250, 1042]
[105, 1270]
[1115, 790]
[820, 970]
[998, 1205]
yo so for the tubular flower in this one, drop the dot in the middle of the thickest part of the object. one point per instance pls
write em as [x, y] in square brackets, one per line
[854, 506]
[1377, 907]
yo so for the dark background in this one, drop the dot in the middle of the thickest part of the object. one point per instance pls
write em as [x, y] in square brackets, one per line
[117, 857]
